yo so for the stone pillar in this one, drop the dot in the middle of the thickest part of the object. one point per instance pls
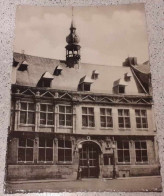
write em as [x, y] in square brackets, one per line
[74, 118]
[55, 148]
[36, 149]
[132, 152]
[17, 115]
[37, 115]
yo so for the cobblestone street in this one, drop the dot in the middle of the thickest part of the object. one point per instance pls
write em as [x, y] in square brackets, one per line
[151, 183]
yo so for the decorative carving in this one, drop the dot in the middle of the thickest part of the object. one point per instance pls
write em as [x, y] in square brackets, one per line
[93, 98]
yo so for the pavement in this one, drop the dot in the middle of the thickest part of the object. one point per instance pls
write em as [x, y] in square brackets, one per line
[130, 184]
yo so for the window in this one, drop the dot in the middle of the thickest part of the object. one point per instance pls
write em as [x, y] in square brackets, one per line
[106, 117]
[64, 151]
[45, 150]
[46, 114]
[141, 151]
[123, 151]
[123, 118]
[25, 150]
[121, 89]
[65, 116]
[87, 87]
[84, 87]
[88, 117]
[27, 113]
[141, 119]
[45, 83]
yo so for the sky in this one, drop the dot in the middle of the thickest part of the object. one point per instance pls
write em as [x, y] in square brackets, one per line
[108, 34]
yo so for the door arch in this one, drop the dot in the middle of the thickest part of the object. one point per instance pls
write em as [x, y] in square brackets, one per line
[89, 158]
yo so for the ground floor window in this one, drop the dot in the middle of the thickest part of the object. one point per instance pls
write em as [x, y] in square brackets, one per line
[45, 150]
[25, 150]
[123, 151]
[141, 151]
[64, 151]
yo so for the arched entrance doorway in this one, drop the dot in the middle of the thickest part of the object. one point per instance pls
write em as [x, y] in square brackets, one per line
[89, 154]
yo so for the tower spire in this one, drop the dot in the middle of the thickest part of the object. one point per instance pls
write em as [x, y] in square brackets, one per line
[73, 47]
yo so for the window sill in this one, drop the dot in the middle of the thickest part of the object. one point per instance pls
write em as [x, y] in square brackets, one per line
[64, 127]
[45, 163]
[106, 128]
[142, 163]
[123, 163]
[27, 125]
[46, 126]
[88, 128]
[124, 129]
[64, 163]
[142, 129]
[25, 163]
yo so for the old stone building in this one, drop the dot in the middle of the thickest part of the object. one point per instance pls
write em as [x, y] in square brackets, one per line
[68, 116]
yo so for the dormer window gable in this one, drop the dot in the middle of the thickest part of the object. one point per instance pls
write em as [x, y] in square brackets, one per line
[85, 84]
[45, 80]
[23, 66]
[58, 70]
[119, 86]
[95, 74]
[127, 76]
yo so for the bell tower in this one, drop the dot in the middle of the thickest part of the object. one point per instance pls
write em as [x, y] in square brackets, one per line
[73, 47]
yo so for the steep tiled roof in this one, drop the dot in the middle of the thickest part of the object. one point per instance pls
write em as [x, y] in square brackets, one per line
[143, 68]
[70, 77]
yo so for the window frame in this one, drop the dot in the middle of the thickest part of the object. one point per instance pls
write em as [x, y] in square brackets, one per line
[122, 87]
[27, 113]
[45, 147]
[46, 112]
[106, 117]
[25, 147]
[124, 116]
[64, 148]
[87, 116]
[141, 149]
[141, 119]
[65, 114]
[123, 151]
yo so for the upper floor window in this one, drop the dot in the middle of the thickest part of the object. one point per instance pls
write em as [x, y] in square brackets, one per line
[25, 150]
[123, 118]
[121, 89]
[27, 113]
[88, 117]
[95, 74]
[45, 80]
[123, 151]
[85, 83]
[45, 150]
[46, 114]
[106, 117]
[65, 116]
[141, 151]
[64, 151]
[141, 119]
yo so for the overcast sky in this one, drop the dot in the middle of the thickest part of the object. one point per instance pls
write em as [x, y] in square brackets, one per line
[108, 35]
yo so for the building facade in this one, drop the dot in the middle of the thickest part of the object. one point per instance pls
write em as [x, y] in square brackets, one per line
[70, 118]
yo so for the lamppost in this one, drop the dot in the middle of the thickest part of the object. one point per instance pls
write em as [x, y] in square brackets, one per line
[113, 146]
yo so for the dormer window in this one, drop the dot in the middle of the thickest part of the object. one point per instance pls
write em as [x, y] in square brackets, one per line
[45, 80]
[119, 86]
[58, 70]
[95, 74]
[85, 84]
[121, 89]
[127, 76]
[23, 66]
